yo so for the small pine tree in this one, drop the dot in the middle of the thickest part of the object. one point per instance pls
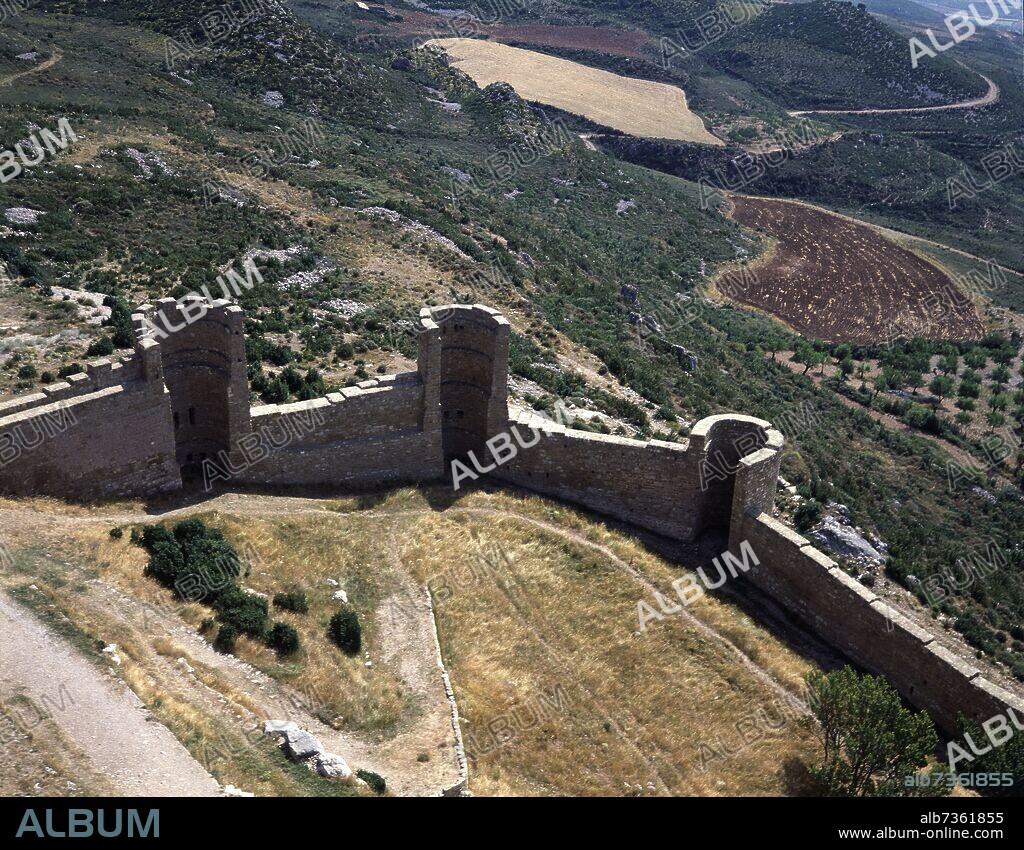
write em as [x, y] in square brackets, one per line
[284, 639]
[345, 631]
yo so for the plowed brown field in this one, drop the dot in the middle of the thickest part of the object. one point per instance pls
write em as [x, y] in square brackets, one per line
[616, 42]
[844, 282]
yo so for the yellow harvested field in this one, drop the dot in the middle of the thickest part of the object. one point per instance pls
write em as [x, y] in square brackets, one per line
[637, 107]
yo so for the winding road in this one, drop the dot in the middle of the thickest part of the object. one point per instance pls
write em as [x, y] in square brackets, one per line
[35, 69]
[987, 99]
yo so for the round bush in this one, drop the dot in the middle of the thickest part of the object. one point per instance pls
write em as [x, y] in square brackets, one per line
[284, 639]
[374, 780]
[345, 631]
[245, 612]
[294, 600]
[226, 637]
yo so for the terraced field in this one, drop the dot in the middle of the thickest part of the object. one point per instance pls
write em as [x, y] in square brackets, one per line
[841, 281]
[638, 107]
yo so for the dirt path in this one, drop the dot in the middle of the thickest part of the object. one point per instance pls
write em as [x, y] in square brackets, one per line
[46, 64]
[406, 634]
[987, 99]
[31, 522]
[100, 714]
[429, 731]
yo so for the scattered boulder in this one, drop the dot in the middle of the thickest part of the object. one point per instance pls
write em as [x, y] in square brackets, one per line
[457, 174]
[22, 215]
[232, 791]
[279, 728]
[273, 99]
[111, 650]
[333, 766]
[300, 744]
[838, 536]
[340, 596]
[686, 358]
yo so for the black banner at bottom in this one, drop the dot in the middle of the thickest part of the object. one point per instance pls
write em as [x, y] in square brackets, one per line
[177, 822]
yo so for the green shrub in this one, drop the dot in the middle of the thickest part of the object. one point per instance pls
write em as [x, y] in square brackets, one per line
[193, 560]
[225, 640]
[116, 533]
[245, 612]
[166, 562]
[103, 347]
[346, 632]
[294, 600]
[808, 514]
[284, 639]
[374, 780]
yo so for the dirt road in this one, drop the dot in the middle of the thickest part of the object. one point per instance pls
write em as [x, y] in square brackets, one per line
[97, 711]
[987, 99]
[35, 69]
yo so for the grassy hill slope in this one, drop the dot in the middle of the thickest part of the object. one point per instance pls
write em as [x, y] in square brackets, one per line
[827, 54]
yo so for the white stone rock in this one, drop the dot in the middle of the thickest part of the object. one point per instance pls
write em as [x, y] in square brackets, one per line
[273, 99]
[232, 791]
[22, 215]
[300, 744]
[279, 728]
[844, 540]
[333, 767]
[340, 596]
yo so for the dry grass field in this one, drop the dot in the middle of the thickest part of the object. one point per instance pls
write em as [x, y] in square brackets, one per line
[560, 692]
[536, 607]
[638, 107]
[832, 278]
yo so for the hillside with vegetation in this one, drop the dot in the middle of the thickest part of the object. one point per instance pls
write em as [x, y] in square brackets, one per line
[366, 183]
[834, 55]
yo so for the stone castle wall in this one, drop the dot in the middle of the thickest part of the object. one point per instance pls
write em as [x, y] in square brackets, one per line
[180, 404]
[204, 369]
[849, 615]
[88, 437]
[360, 436]
[669, 488]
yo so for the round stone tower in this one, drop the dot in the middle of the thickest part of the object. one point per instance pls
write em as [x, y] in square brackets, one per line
[474, 376]
[202, 350]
